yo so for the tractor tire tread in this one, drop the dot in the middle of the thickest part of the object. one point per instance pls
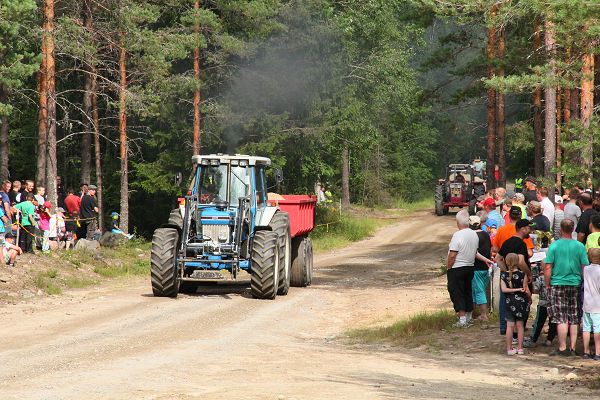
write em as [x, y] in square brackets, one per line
[264, 277]
[163, 274]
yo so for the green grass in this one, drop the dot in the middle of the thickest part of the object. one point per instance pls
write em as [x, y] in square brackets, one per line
[47, 282]
[139, 267]
[74, 282]
[418, 325]
[349, 229]
[410, 206]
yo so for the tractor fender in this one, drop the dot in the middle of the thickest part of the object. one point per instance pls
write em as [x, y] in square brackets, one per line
[264, 217]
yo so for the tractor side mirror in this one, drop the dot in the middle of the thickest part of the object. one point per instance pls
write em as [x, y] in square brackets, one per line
[178, 178]
[279, 176]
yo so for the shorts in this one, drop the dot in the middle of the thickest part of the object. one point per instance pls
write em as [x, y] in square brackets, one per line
[563, 304]
[509, 316]
[591, 322]
[6, 256]
[479, 283]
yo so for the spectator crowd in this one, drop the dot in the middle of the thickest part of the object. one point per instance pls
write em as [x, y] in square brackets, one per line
[29, 222]
[523, 244]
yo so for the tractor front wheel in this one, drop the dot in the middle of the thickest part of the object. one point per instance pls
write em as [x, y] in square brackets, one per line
[280, 224]
[163, 271]
[264, 271]
[439, 200]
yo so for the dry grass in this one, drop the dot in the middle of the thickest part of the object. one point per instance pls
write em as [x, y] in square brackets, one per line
[420, 324]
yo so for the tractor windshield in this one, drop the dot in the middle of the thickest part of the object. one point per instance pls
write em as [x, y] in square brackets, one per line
[213, 184]
[218, 184]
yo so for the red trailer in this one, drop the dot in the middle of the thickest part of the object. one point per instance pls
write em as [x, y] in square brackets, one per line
[301, 210]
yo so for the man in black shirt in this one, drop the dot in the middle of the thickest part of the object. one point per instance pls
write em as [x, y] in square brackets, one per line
[583, 226]
[88, 212]
[539, 221]
[515, 245]
[530, 192]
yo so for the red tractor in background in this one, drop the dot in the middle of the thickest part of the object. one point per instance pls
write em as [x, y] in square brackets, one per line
[460, 188]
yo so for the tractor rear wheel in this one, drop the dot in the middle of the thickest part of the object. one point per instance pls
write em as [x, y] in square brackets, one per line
[302, 262]
[439, 200]
[264, 271]
[280, 224]
[175, 218]
[163, 271]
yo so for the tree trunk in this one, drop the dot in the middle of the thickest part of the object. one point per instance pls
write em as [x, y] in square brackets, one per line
[345, 176]
[550, 100]
[196, 137]
[97, 149]
[587, 108]
[538, 118]
[123, 136]
[500, 111]
[86, 139]
[574, 106]
[558, 149]
[40, 176]
[566, 106]
[51, 160]
[4, 174]
[491, 106]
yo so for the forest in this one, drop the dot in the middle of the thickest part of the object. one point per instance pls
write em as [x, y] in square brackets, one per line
[372, 97]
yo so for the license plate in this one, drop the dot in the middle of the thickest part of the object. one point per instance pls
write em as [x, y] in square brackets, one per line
[200, 274]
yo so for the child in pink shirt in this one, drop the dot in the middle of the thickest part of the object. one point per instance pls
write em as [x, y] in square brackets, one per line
[44, 226]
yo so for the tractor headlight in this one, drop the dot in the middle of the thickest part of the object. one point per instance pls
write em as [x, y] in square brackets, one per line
[222, 238]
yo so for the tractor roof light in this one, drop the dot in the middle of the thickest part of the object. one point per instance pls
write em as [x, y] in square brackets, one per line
[243, 163]
[234, 163]
[204, 162]
[214, 162]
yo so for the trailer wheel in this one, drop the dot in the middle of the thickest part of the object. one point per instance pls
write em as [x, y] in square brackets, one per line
[301, 262]
[264, 271]
[280, 224]
[175, 218]
[163, 271]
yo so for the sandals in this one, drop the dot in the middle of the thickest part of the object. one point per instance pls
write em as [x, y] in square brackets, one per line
[511, 352]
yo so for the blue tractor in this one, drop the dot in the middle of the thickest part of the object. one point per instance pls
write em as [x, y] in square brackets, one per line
[224, 225]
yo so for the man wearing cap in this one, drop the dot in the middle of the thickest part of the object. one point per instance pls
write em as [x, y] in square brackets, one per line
[530, 189]
[587, 212]
[559, 215]
[539, 220]
[88, 213]
[493, 216]
[9, 250]
[515, 244]
[562, 273]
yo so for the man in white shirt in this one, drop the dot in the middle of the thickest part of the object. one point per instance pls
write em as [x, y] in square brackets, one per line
[547, 205]
[461, 260]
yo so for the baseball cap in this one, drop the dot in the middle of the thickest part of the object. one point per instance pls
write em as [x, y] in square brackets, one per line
[531, 179]
[490, 202]
[523, 223]
[92, 187]
[60, 209]
[47, 204]
[474, 220]
[515, 212]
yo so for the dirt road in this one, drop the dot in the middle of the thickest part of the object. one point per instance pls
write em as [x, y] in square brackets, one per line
[122, 343]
